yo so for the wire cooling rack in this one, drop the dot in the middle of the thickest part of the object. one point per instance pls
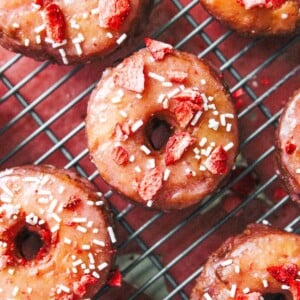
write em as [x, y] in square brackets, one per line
[42, 111]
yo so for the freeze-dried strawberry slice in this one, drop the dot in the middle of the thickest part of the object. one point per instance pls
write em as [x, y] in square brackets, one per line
[112, 13]
[55, 22]
[177, 145]
[130, 75]
[158, 49]
[120, 155]
[177, 76]
[295, 289]
[290, 147]
[79, 287]
[184, 113]
[284, 273]
[122, 131]
[216, 163]
[191, 95]
[116, 278]
[250, 296]
[150, 184]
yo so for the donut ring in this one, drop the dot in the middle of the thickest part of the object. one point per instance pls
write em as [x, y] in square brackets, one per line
[288, 146]
[257, 17]
[69, 32]
[55, 235]
[260, 261]
[161, 128]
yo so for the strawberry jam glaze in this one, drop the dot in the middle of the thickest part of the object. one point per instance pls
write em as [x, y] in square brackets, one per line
[55, 235]
[161, 128]
[69, 31]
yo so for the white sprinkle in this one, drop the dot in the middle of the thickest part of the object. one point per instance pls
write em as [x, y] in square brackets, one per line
[207, 296]
[56, 217]
[109, 35]
[138, 96]
[11, 271]
[79, 219]
[196, 118]
[156, 76]
[285, 287]
[121, 39]
[213, 124]
[95, 230]
[284, 16]
[85, 15]
[215, 113]
[40, 28]
[166, 103]
[135, 126]
[145, 149]
[246, 290]
[207, 151]
[81, 229]
[266, 222]
[95, 11]
[265, 283]
[237, 269]
[15, 291]
[202, 168]
[228, 146]
[74, 270]
[85, 247]
[26, 42]
[89, 224]
[226, 263]
[96, 275]
[57, 45]
[137, 169]
[161, 98]
[166, 174]
[32, 219]
[61, 189]
[211, 106]
[65, 288]
[123, 113]
[16, 25]
[99, 203]
[298, 171]
[78, 49]
[149, 203]
[67, 241]
[132, 158]
[91, 258]
[74, 24]
[86, 271]
[233, 291]
[55, 228]
[167, 84]
[102, 266]
[98, 243]
[29, 290]
[90, 203]
[228, 127]
[203, 141]
[77, 262]
[38, 39]
[111, 234]
[173, 93]
[151, 163]
[52, 205]
[203, 81]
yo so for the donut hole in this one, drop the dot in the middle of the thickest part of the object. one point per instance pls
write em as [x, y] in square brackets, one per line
[274, 297]
[28, 244]
[158, 132]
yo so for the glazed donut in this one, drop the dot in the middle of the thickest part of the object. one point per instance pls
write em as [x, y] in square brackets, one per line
[161, 128]
[69, 32]
[262, 261]
[288, 146]
[257, 17]
[56, 236]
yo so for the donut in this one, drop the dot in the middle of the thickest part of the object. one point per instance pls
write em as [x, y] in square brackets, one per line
[56, 235]
[288, 146]
[69, 32]
[259, 263]
[161, 128]
[256, 17]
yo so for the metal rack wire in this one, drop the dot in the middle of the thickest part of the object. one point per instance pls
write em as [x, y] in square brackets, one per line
[44, 123]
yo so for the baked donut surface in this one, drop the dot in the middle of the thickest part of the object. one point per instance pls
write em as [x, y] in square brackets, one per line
[259, 262]
[161, 128]
[56, 235]
[288, 146]
[69, 32]
[257, 17]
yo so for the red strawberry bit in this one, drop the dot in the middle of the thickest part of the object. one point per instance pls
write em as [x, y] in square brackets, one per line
[250, 296]
[295, 289]
[120, 155]
[158, 49]
[72, 202]
[177, 76]
[116, 278]
[284, 273]
[150, 184]
[112, 13]
[289, 147]
[131, 74]
[177, 145]
[216, 163]
[192, 95]
[79, 287]
[184, 113]
[38, 2]
[122, 131]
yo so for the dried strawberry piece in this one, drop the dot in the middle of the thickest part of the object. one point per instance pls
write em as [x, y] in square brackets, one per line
[177, 76]
[112, 13]
[72, 202]
[130, 75]
[122, 131]
[115, 278]
[158, 49]
[120, 155]
[191, 95]
[284, 273]
[295, 289]
[274, 3]
[184, 113]
[38, 2]
[150, 184]
[216, 163]
[55, 22]
[79, 287]
[250, 296]
[289, 147]
[177, 145]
